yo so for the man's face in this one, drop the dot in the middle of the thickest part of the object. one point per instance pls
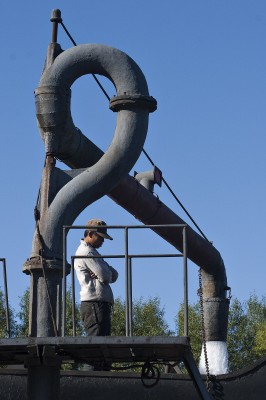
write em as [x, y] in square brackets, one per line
[96, 240]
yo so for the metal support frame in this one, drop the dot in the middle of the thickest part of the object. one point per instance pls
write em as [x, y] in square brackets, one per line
[128, 273]
[43, 365]
[195, 375]
[3, 260]
[43, 356]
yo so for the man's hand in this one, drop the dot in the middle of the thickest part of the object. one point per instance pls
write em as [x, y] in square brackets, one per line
[92, 275]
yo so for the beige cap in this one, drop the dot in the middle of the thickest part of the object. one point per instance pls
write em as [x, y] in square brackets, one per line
[102, 231]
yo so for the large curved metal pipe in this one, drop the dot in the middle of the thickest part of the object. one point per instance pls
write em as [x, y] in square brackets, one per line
[62, 139]
[77, 151]
[148, 209]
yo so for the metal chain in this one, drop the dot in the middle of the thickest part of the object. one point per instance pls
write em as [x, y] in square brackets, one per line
[203, 333]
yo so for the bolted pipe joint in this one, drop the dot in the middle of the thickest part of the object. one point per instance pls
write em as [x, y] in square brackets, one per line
[131, 102]
[216, 311]
[53, 96]
[50, 103]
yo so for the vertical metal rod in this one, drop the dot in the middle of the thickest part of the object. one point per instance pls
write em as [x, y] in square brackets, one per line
[55, 19]
[64, 283]
[185, 283]
[73, 297]
[6, 297]
[126, 282]
[130, 319]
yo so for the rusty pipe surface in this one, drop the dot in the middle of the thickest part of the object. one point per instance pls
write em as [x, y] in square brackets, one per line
[77, 151]
[63, 140]
[148, 209]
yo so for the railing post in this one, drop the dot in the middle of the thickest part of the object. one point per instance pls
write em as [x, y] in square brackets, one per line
[185, 282]
[73, 297]
[127, 282]
[6, 297]
[64, 283]
[130, 316]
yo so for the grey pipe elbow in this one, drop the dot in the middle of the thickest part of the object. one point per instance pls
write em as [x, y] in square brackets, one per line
[63, 140]
[53, 94]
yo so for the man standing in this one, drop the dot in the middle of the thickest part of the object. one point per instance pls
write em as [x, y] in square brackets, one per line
[95, 276]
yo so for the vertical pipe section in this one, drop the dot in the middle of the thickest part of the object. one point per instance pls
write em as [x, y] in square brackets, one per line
[43, 382]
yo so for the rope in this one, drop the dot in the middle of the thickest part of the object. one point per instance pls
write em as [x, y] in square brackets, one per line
[149, 372]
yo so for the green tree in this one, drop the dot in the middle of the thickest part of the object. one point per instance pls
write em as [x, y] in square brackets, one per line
[246, 326]
[23, 315]
[3, 322]
[246, 338]
[148, 318]
[69, 324]
[194, 327]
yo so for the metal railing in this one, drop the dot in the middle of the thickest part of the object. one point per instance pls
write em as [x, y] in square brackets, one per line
[3, 261]
[128, 272]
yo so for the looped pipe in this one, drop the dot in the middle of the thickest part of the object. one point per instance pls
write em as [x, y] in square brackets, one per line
[64, 141]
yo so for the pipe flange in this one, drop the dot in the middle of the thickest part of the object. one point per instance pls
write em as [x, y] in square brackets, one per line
[131, 101]
[52, 89]
[38, 263]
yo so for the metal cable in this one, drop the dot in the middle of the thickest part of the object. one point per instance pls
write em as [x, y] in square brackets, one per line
[146, 154]
[37, 218]
[94, 76]
[176, 198]
[149, 372]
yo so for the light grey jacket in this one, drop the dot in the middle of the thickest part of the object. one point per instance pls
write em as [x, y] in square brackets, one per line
[97, 289]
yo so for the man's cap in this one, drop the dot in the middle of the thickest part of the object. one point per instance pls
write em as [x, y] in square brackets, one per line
[99, 227]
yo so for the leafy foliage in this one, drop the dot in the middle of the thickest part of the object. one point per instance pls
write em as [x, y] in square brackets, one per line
[23, 315]
[69, 323]
[3, 323]
[147, 319]
[246, 331]
[147, 315]
[246, 328]
[194, 327]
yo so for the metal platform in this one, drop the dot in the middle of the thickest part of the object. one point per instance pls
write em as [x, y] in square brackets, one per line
[40, 353]
[108, 348]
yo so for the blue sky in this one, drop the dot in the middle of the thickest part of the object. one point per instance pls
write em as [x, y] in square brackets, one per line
[205, 63]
